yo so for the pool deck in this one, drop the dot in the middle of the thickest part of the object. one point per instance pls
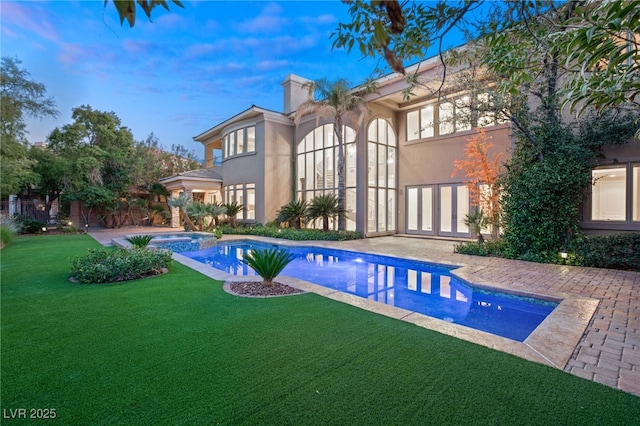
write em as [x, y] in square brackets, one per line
[594, 333]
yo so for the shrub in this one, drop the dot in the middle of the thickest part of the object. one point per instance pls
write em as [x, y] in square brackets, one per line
[28, 225]
[620, 251]
[294, 234]
[487, 248]
[140, 241]
[267, 263]
[9, 227]
[105, 266]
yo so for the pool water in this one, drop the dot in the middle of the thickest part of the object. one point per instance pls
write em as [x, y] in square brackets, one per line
[180, 242]
[422, 287]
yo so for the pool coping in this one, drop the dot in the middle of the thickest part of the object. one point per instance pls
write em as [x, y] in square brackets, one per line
[552, 343]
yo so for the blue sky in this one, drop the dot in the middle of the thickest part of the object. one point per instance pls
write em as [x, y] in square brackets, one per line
[181, 74]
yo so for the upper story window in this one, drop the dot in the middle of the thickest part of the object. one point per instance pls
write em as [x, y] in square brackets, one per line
[451, 116]
[239, 142]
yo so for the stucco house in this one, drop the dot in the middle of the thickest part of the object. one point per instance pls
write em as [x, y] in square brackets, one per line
[399, 164]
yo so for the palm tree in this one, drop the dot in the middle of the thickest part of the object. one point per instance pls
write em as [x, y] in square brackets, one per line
[199, 212]
[293, 213]
[181, 202]
[325, 207]
[215, 210]
[232, 210]
[339, 103]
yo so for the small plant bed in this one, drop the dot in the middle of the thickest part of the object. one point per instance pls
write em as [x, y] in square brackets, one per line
[99, 266]
[260, 289]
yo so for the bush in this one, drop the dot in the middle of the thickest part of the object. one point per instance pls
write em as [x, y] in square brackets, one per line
[487, 248]
[105, 266]
[621, 251]
[28, 225]
[294, 234]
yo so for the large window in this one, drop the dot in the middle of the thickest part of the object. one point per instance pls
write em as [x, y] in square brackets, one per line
[455, 115]
[239, 142]
[381, 177]
[244, 194]
[615, 194]
[317, 167]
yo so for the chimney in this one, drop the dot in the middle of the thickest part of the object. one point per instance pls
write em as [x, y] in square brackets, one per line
[294, 94]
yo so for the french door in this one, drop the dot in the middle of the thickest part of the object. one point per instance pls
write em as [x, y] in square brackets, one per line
[438, 210]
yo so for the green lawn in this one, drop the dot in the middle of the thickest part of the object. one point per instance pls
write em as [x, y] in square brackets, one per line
[176, 349]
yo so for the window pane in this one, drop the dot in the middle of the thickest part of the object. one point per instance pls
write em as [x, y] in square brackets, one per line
[412, 209]
[462, 209]
[350, 204]
[382, 166]
[351, 165]
[485, 117]
[373, 131]
[251, 139]
[413, 126]
[445, 209]
[635, 190]
[391, 210]
[328, 135]
[391, 136]
[349, 134]
[251, 203]
[371, 210]
[445, 118]
[391, 169]
[317, 137]
[426, 122]
[382, 131]
[232, 143]
[382, 210]
[240, 141]
[308, 142]
[309, 171]
[372, 163]
[463, 114]
[301, 177]
[226, 146]
[608, 199]
[427, 209]
[329, 169]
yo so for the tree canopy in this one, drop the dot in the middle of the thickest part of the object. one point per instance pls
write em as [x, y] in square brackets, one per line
[20, 97]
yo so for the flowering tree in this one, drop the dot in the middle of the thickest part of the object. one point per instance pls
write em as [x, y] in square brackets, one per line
[482, 172]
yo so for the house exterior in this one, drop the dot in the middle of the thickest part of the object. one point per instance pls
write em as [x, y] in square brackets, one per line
[399, 164]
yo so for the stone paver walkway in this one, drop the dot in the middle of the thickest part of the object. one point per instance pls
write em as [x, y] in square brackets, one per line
[609, 350]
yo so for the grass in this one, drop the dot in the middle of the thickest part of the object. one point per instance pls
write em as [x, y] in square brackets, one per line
[177, 349]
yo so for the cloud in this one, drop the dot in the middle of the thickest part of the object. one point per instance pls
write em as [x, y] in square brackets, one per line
[269, 20]
[30, 18]
[269, 65]
[201, 50]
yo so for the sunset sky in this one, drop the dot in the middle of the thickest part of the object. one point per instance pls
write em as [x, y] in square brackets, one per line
[181, 74]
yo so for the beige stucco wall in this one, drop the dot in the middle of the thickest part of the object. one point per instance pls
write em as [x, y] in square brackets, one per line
[277, 169]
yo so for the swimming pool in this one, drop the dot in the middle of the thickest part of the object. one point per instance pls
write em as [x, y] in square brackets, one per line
[184, 241]
[422, 287]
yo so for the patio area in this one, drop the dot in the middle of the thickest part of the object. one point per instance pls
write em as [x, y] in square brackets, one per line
[607, 350]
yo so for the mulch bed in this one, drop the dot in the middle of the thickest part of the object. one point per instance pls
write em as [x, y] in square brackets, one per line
[259, 289]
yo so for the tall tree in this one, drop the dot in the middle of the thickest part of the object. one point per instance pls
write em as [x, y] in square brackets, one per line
[20, 97]
[337, 101]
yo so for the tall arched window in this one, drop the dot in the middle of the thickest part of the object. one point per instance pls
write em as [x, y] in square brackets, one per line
[316, 164]
[381, 177]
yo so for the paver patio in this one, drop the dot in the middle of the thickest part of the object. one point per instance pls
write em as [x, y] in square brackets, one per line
[608, 351]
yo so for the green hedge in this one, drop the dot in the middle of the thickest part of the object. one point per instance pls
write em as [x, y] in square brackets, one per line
[620, 251]
[105, 266]
[293, 234]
